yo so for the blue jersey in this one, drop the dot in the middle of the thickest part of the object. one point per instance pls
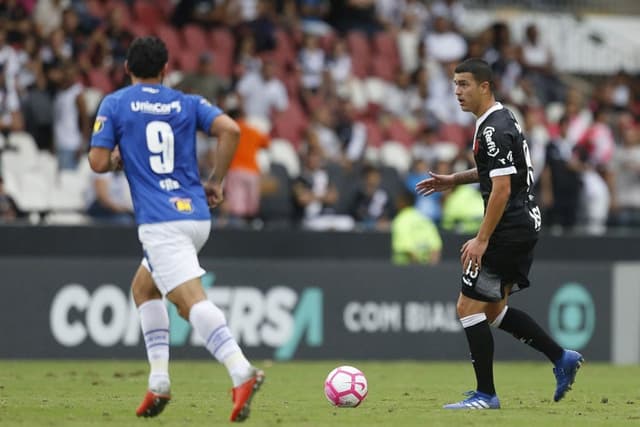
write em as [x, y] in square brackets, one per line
[155, 128]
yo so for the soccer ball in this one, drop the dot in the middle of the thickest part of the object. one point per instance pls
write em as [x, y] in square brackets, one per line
[345, 387]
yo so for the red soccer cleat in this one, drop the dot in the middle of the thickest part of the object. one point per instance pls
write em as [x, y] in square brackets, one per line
[243, 394]
[152, 404]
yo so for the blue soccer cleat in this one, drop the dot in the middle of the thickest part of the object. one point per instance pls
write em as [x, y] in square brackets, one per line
[565, 371]
[476, 400]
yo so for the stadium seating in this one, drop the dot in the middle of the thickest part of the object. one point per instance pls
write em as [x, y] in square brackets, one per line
[195, 39]
[263, 160]
[375, 134]
[291, 124]
[360, 51]
[171, 38]
[395, 154]
[398, 131]
[26, 174]
[147, 14]
[282, 152]
[99, 79]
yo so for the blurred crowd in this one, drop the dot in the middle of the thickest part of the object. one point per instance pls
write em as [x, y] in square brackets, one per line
[344, 106]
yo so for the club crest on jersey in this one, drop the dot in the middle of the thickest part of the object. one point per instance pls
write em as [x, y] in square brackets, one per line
[492, 148]
[98, 125]
[182, 205]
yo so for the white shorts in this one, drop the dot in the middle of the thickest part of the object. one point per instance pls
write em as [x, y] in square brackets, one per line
[171, 251]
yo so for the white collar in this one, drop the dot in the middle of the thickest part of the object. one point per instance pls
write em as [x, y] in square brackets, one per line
[495, 107]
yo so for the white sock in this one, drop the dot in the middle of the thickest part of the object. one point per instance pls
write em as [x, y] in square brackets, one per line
[154, 320]
[498, 320]
[208, 320]
[472, 319]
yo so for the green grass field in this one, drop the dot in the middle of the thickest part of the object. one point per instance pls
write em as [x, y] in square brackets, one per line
[106, 393]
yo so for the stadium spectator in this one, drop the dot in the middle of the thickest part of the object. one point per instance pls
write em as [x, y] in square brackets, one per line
[618, 91]
[243, 10]
[402, 99]
[497, 37]
[580, 117]
[452, 10]
[315, 197]
[37, 110]
[204, 81]
[71, 123]
[595, 151]
[339, 65]
[29, 63]
[117, 36]
[372, 206]
[247, 60]
[354, 15]
[312, 63]
[462, 210]
[48, 15]
[411, 34]
[443, 44]
[58, 48]
[262, 93]
[313, 16]
[322, 135]
[243, 182]
[263, 26]
[627, 166]
[561, 182]
[10, 115]
[73, 33]
[8, 60]
[351, 132]
[206, 13]
[533, 123]
[538, 66]
[509, 73]
[8, 209]
[109, 200]
[390, 14]
[414, 238]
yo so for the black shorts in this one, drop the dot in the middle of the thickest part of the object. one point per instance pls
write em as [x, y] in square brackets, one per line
[503, 265]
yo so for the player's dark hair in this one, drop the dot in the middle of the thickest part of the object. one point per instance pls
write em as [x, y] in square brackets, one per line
[479, 69]
[146, 57]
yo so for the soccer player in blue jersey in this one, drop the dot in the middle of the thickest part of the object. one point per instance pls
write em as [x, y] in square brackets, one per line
[150, 131]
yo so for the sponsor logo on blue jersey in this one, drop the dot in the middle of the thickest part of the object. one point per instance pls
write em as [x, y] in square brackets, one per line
[155, 107]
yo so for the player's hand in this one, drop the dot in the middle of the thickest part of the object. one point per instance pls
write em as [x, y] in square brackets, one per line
[214, 193]
[116, 160]
[471, 254]
[434, 184]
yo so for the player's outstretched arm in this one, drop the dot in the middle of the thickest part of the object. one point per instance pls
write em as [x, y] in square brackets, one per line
[437, 182]
[228, 134]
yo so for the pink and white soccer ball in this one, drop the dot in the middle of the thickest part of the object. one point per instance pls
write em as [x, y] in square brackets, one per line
[346, 387]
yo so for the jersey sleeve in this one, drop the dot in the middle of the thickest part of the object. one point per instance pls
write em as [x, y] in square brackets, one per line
[104, 134]
[206, 113]
[498, 146]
